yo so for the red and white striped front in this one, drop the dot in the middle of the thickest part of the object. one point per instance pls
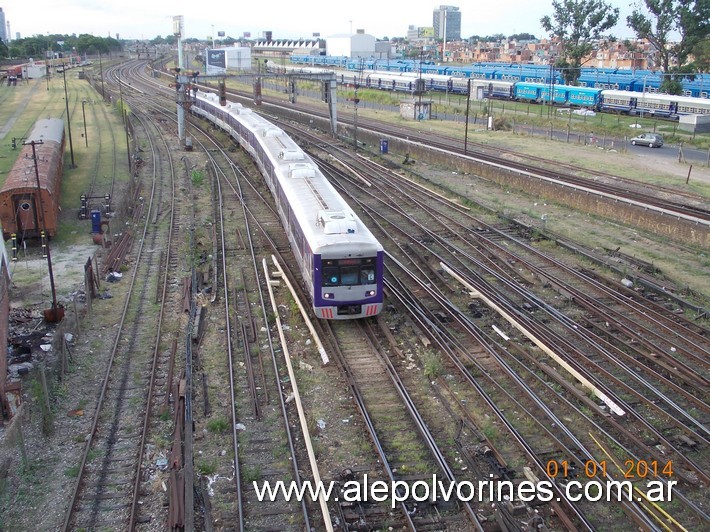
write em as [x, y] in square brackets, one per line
[372, 310]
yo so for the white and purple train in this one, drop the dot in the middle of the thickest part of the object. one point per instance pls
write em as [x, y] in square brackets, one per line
[342, 263]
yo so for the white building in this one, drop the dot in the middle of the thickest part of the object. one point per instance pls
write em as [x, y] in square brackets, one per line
[221, 60]
[358, 45]
[34, 70]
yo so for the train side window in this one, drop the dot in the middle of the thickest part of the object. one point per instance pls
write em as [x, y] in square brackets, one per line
[331, 277]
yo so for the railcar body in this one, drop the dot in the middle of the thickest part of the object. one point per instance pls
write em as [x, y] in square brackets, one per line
[395, 81]
[26, 206]
[600, 78]
[663, 105]
[561, 94]
[341, 262]
[491, 88]
[606, 90]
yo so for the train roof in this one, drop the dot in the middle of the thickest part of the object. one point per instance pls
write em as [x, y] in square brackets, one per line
[326, 219]
[47, 130]
[328, 223]
[49, 136]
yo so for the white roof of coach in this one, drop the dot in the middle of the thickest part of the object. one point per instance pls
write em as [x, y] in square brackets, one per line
[326, 219]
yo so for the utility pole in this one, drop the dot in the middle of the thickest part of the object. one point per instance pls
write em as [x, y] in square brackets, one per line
[356, 101]
[66, 101]
[124, 116]
[40, 208]
[48, 65]
[468, 101]
[83, 114]
[101, 73]
[420, 85]
[443, 49]
[178, 30]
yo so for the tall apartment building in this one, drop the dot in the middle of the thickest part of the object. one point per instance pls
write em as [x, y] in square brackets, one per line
[3, 27]
[447, 23]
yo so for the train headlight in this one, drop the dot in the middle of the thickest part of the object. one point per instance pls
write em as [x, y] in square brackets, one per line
[370, 293]
[328, 296]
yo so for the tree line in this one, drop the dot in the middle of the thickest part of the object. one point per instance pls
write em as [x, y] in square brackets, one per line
[43, 46]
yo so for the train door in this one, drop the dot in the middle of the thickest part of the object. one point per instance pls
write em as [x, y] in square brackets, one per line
[25, 214]
[633, 104]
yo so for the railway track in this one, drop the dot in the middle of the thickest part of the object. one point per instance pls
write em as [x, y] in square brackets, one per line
[261, 402]
[407, 449]
[442, 309]
[430, 235]
[107, 487]
[254, 385]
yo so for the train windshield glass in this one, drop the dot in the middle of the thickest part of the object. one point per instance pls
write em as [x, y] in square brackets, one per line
[348, 272]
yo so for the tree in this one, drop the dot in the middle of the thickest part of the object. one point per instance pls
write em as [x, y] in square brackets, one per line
[578, 25]
[522, 37]
[701, 55]
[657, 20]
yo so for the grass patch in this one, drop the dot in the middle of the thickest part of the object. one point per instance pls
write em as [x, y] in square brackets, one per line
[218, 425]
[72, 472]
[433, 366]
[251, 473]
[205, 467]
[198, 177]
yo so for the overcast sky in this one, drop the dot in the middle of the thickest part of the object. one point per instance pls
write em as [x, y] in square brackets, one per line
[145, 19]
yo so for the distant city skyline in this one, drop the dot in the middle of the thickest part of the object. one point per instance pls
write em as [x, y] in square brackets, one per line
[132, 19]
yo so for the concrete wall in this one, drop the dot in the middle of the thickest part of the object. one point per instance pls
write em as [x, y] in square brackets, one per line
[695, 123]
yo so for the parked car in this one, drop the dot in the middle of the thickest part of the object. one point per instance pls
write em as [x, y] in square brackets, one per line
[652, 140]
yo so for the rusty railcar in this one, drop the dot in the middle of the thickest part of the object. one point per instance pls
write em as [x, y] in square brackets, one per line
[29, 199]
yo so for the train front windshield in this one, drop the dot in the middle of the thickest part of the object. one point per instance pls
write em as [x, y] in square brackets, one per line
[348, 272]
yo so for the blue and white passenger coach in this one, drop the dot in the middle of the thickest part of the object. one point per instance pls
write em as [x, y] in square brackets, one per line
[339, 258]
